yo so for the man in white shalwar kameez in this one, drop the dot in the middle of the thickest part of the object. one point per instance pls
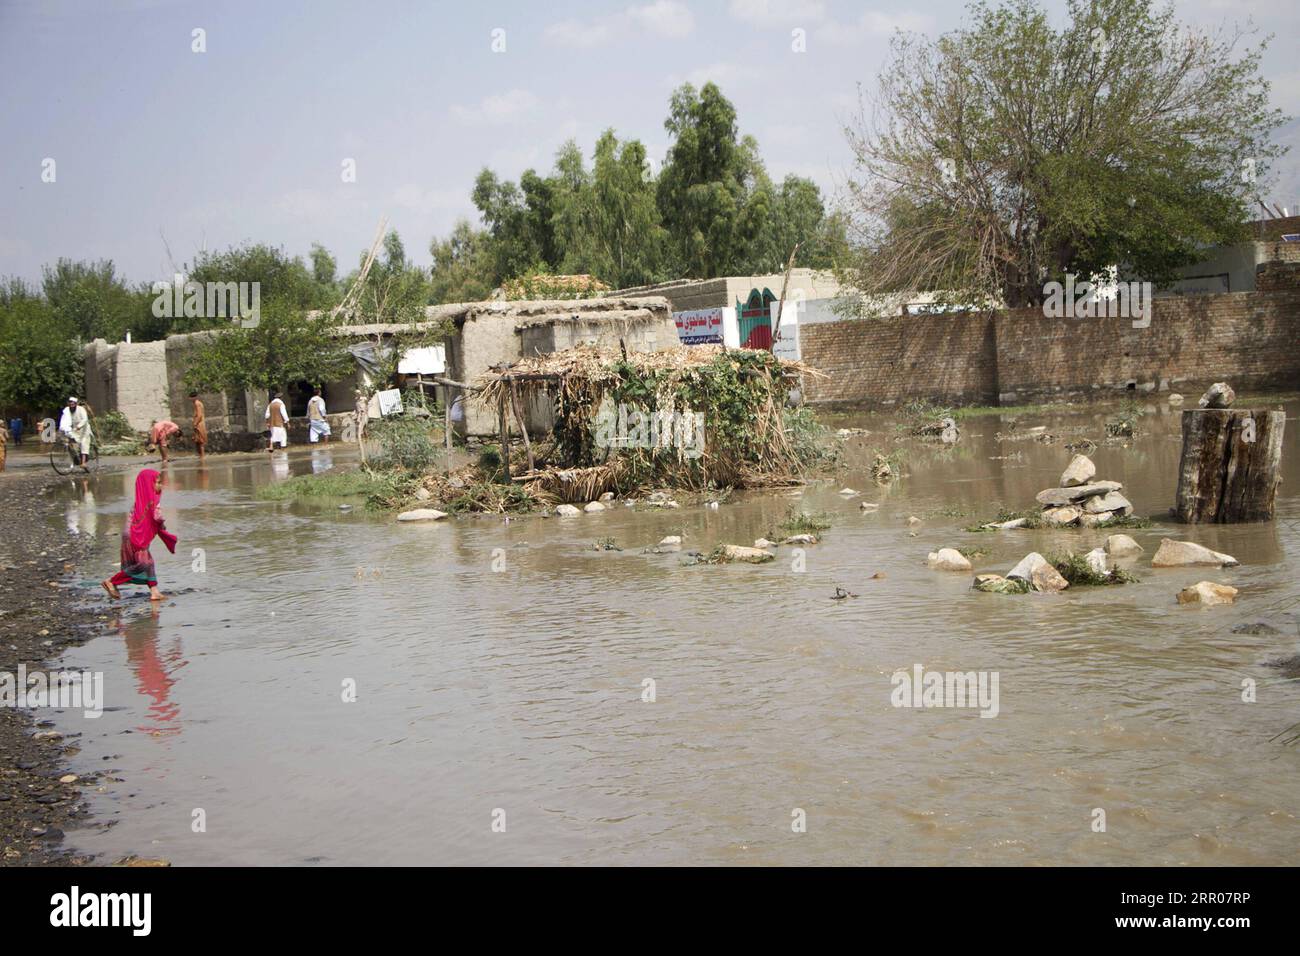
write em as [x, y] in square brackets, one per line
[74, 424]
[277, 418]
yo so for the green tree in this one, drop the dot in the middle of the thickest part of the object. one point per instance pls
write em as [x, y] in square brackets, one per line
[462, 267]
[395, 289]
[40, 355]
[1008, 152]
[92, 300]
[287, 345]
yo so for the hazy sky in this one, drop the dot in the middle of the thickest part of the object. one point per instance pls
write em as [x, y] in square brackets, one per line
[158, 147]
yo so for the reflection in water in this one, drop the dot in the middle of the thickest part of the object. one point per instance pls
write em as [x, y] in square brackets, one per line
[502, 665]
[154, 667]
[321, 461]
[83, 511]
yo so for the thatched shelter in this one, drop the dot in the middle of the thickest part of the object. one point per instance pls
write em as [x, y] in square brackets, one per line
[687, 417]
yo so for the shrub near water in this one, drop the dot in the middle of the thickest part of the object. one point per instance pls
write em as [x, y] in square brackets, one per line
[405, 444]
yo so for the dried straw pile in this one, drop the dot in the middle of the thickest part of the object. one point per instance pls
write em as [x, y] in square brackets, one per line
[740, 393]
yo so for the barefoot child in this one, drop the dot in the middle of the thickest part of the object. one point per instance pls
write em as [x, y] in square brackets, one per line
[144, 522]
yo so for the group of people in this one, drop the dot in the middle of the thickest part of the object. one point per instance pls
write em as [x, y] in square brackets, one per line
[161, 432]
[277, 420]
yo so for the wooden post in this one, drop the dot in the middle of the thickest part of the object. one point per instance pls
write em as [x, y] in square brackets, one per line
[1230, 466]
[505, 434]
[446, 423]
[523, 425]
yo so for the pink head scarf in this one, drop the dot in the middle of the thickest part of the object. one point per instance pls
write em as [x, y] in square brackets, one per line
[145, 521]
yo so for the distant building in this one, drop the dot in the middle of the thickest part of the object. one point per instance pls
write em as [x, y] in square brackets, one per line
[1232, 268]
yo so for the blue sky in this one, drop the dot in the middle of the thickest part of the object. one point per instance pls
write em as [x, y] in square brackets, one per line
[159, 148]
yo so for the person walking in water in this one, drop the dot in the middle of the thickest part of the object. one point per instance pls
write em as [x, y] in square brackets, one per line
[317, 422]
[200, 426]
[277, 417]
[142, 525]
[160, 433]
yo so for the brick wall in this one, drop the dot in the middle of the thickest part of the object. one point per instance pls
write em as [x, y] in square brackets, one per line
[1251, 339]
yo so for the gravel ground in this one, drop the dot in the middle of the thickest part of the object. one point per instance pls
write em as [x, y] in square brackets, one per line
[40, 614]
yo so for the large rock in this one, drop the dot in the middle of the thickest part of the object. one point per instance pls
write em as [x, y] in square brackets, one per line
[1179, 554]
[1056, 497]
[567, 511]
[592, 506]
[1078, 472]
[948, 559]
[422, 514]
[764, 543]
[1207, 593]
[738, 552]
[1062, 517]
[423, 494]
[1111, 501]
[1035, 569]
[800, 539]
[1047, 579]
[1218, 395]
[673, 540]
[1122, 546]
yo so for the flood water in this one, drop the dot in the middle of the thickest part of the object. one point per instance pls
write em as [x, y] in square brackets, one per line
[500, 666]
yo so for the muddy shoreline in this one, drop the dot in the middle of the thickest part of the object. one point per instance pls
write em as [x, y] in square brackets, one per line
[41, 614]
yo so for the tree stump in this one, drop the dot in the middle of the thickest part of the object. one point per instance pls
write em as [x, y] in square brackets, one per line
[1231, 465]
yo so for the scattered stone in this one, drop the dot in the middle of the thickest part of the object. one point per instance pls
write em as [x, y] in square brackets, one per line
[1062, 517]
[1096, 559]
[672, 541]
[607, 496]
[869, 506]
[801, 539]
[1087, 520]
[423, 494]
[1177, 554]
[1007, 525]
[422, 514]
[1175, 399]
[764, 543]
[913, 521]
[848, 492]
[738, 552]
[1121, 545]
[1218, 395]
[1208, 594]
[949, 435]
[567, 511]
[997, 584]
[840, 594]
[1111, 502]
[1078, 472]
[948, 559]
[68, 778]
[1035, 569]
[1058, 497]
[593, 506]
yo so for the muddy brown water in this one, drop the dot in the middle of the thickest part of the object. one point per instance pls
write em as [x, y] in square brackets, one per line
[500, 666]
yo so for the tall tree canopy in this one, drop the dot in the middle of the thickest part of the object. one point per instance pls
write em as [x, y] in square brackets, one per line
[711, 211]
[1007, 153]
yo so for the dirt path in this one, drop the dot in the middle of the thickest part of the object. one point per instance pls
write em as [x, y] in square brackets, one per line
[40, 615]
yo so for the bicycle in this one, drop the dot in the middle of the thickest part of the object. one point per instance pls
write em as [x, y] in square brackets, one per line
[66, 460]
